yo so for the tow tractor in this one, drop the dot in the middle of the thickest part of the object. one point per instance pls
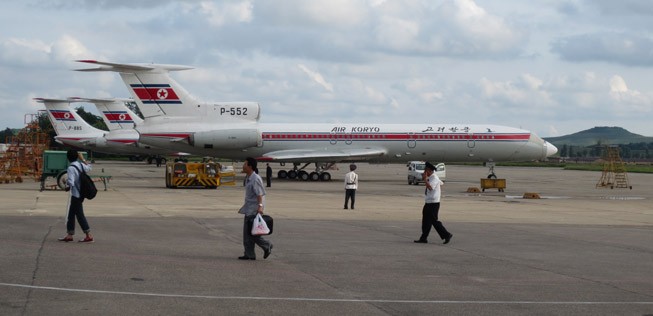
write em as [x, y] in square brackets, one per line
[197, 174]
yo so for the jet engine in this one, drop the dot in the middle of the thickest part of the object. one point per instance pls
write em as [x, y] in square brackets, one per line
[228, 138]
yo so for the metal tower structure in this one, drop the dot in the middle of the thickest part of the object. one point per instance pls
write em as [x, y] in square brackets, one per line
[614, 171]
[24, 155]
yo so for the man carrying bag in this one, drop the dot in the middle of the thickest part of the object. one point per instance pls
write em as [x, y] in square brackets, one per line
[254, 199]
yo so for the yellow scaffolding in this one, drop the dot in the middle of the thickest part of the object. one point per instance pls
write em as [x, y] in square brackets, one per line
[24, 155]
[614, 170]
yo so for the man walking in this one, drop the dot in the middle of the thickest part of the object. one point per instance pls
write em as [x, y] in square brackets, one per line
[432, 206]
[268, 175]
[75, 206]
[351, 185]
[254, 199]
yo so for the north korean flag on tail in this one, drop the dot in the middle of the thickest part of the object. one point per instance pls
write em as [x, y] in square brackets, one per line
[155, 93]
[62, 115]
[118, 116]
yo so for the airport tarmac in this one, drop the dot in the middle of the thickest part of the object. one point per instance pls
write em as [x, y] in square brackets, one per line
[577, 251]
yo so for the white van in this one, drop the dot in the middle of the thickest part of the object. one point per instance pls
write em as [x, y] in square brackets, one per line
[416, 169]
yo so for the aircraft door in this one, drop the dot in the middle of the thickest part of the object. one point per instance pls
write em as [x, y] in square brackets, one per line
[471, 142]
[412, 140]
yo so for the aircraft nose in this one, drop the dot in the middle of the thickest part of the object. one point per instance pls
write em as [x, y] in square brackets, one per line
[550, 149]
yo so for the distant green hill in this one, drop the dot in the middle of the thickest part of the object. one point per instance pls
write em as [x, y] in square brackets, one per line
[604, 134]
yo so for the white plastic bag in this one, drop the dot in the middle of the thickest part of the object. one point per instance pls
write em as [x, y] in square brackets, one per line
[259, 227]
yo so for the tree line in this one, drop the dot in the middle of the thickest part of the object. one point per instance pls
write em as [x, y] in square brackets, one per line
[626, 151]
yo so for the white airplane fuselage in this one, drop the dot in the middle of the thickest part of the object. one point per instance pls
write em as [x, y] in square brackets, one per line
[383, 143]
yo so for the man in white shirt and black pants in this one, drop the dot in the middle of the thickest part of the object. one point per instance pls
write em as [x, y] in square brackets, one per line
[351, 184]
[432, 206]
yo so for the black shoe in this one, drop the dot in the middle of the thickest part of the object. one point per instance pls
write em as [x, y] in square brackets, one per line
[246, 258]
[448, 239]
[420, 241]
[345, 208]
[267, 253]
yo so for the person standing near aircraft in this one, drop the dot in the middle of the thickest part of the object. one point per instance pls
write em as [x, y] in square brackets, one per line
[268, 175]
[351, 185]
[75, 206]
[254, 199]
[431, 207]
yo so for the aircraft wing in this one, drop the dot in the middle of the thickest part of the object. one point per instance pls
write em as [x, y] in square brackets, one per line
[327, 155]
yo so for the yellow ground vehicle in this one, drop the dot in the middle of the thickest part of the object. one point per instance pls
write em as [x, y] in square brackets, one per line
[193, 174]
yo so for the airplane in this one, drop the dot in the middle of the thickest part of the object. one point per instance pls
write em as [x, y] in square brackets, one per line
[121, 120]
[73, 131]
[181, 122]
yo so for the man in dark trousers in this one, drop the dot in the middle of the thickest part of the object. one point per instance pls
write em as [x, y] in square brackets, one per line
[254, 199]
[75, 207]
[268, 175]
[351, 185]
[432, 206]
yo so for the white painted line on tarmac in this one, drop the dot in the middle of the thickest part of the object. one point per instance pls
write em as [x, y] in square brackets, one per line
[308, 299]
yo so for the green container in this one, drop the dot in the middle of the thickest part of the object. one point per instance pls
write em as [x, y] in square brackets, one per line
[55, 161]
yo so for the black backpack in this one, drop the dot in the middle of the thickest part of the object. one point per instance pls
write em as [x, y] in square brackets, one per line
[87, 187]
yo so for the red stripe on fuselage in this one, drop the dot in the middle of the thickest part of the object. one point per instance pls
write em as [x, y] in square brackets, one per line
[395, 136]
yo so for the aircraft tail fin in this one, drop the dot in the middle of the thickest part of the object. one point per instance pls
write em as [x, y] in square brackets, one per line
[154, 91]
[115, 113]
[65, 120]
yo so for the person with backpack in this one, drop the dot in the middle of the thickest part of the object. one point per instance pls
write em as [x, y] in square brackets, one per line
[77, 167]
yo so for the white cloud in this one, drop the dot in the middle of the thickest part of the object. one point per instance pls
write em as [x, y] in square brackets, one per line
[628, 100]
[316, 77]
[24, 51]
[330, 15]
[68, 48]
[618, 84]
[396, 33]
[221, 13]
[472, 30]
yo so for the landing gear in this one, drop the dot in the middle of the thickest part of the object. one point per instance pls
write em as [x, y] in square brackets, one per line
[300, 174]
[325, 176]
[491, 174]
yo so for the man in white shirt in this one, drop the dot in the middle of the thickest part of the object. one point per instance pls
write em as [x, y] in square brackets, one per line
[432, 206]
[351, 185]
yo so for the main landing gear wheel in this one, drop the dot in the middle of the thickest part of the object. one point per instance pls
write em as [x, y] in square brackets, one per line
[303, 175]
[314, 176]
[325, 176]
[292, 174]
[282, 174]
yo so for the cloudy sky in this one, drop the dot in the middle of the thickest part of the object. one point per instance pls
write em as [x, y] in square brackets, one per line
[554, 67]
